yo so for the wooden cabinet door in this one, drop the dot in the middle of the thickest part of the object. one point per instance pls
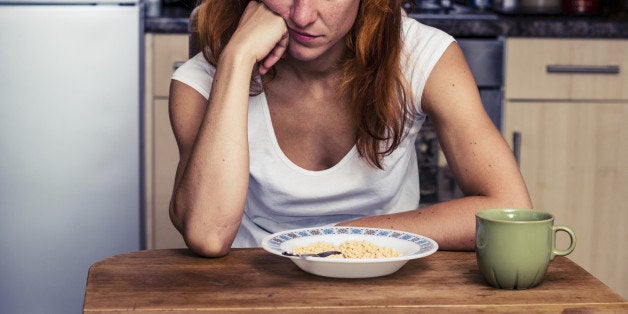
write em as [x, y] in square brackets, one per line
[165, 160]
[163, 53]
[169, 51]
[573, 157]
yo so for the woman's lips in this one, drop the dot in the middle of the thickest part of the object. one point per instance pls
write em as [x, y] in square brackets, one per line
[302, 37]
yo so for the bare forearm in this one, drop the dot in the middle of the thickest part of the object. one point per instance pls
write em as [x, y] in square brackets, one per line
[210, 195]
[212, 177]
[451, 224]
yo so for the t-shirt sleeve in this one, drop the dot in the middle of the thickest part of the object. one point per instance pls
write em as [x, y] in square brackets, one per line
[423, 47]
[196, 73]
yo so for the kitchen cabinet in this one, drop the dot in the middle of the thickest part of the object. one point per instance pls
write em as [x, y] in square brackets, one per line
[163, 53]
[568, 101]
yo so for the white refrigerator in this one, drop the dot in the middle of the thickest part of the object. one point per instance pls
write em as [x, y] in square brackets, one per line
[70, 146]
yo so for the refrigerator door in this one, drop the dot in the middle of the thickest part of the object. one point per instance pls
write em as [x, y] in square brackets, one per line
[69, 149]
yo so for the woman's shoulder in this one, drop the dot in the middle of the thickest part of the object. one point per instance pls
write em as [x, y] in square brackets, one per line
[416, 33]
[196, 73]
[423, 45]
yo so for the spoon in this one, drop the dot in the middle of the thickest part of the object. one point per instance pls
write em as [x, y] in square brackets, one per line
[322, 254]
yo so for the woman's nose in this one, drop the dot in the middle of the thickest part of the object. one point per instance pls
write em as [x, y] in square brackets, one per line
[303, 12]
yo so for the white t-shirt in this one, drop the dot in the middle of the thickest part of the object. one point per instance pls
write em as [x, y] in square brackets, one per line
[283, 196]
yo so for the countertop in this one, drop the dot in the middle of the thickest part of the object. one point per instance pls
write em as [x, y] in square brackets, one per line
[484, 24]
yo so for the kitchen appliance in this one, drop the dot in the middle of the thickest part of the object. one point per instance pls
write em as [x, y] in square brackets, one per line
[539, 6]
[70, 188]
[505, 6]
[428, 6]
[581, 7]
[448, 9]
[548, 7]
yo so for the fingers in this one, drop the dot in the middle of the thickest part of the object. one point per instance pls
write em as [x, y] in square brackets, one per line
[261, 34]
[268, 30]
[278, 52]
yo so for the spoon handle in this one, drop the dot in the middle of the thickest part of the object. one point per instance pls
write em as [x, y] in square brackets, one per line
[322, 254]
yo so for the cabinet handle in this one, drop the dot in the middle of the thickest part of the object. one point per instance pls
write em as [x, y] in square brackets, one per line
[582, 69]
[516, 146]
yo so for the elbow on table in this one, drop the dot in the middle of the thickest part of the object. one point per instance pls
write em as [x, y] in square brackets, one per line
[207, 242]
[207, 245]
[198, 238]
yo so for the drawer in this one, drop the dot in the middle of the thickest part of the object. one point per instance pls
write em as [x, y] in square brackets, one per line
[566, 69]
[169, 51]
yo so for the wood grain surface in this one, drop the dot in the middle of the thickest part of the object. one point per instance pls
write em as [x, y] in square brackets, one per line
[178, 281]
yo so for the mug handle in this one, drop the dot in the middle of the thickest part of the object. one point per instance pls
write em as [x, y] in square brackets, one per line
[572, 245]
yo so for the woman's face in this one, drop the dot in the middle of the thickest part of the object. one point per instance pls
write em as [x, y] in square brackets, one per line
[316, 26]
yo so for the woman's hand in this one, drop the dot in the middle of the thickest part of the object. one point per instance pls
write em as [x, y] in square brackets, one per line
[262, 34]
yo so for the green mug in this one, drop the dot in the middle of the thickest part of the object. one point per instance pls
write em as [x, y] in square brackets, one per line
[514, 246]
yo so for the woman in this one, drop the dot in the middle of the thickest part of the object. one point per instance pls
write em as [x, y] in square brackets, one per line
[304, 113]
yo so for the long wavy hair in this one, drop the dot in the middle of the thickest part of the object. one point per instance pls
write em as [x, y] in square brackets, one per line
[373, 81]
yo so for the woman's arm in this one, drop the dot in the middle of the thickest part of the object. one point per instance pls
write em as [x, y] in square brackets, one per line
[212, 176]
[484, 166]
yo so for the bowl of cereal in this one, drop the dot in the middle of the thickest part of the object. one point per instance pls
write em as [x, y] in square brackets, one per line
[366, 252]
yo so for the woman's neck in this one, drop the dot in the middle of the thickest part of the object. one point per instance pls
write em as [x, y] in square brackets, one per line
[307, 72]
[325, 67]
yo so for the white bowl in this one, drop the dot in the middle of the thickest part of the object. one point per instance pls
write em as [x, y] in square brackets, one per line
[410, 245]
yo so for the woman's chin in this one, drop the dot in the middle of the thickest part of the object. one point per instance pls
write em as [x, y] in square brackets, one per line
[303, 55]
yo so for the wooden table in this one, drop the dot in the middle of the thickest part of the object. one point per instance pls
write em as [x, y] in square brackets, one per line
[252, 279]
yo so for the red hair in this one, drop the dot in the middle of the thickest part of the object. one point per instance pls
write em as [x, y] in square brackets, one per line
[373, 81]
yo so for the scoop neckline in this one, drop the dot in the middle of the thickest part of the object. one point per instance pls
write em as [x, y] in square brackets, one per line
[287, 161]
